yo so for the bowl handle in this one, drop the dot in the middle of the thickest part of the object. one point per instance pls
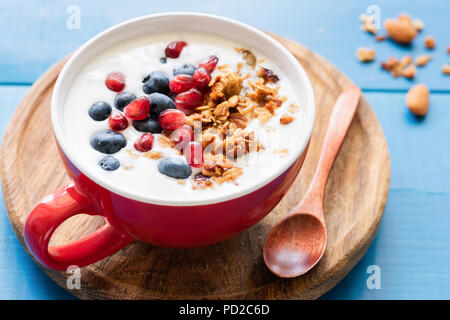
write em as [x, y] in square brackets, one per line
[54, 210]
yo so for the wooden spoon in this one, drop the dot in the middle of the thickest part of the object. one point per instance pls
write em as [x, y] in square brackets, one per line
[297, 243]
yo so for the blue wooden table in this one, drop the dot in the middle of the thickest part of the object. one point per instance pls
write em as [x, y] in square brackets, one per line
[412, 248]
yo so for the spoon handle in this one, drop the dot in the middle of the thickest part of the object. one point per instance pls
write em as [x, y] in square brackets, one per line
[340, 120]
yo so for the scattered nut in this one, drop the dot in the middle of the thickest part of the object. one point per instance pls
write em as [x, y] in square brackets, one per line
[390, 64]
[406, 60]
[368, 23]
[401, 30]
[381, 37]
[417, 99]
[418, 25]
[446, 69]
[365, 54]
[409, 72]
[422, 60]
[397, 68]
[430, 42]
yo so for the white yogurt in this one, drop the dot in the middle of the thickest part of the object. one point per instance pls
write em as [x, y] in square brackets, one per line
[136, 59]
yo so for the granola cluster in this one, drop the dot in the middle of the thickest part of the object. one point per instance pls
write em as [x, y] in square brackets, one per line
[231, 100]
[220, 123]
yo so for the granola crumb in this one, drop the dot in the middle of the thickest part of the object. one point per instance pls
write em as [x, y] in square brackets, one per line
[164, 141]
[202, 182]
[131, 154]
[228, 175]
[240, 65]
[271, 129]
[223, 67]
[128, 167]
[446, 69]
[248, 56]
[430, 42]
[365, 54]
[283, 152]
[155, 155]
[448, 50]
[293, 108]
[268, 75]
[181, 182]
[286, 119]
[422, 60]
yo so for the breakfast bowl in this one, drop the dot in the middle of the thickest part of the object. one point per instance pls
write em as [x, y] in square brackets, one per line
[144, 205]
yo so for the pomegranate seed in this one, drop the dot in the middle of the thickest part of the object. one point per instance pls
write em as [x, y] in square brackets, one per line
[194, 154]
[117, 121]
[181, 83]
[115, 81]
[182, 136]
[209, 64]
[189, 100]
[171, 119]
[138, 109]
[144, 143]
[174, 49]
[201, 78]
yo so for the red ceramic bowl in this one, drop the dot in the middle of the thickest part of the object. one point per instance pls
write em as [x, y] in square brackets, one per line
[162, 223]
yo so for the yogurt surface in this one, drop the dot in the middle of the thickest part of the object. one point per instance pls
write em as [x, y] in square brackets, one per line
[139, 175]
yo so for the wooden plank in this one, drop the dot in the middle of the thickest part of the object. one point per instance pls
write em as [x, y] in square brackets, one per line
[36, 34]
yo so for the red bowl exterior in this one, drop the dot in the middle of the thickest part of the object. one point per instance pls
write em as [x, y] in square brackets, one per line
[184, 226]
[129, 220]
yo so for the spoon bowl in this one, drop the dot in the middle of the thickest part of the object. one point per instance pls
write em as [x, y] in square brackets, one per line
[296, 245]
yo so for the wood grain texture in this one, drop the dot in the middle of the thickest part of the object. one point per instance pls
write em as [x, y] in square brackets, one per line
[354, 203]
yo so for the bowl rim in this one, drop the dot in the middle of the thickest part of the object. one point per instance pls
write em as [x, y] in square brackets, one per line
[69, 153]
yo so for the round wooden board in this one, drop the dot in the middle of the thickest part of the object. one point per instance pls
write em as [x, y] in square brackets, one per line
[356, 195]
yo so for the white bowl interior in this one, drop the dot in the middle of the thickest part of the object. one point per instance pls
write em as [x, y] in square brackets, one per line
[185, 22]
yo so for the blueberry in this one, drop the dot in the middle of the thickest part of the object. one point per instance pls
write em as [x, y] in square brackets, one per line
[156, 81]
[107, 141]
[184, 69]
[147, 125]
[100, 111]
[123, 99]
[158, 103]
[174, 167]
[109, 163]
[163, 60]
